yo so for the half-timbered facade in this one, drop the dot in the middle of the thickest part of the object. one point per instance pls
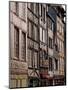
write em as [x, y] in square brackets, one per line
[37, 45]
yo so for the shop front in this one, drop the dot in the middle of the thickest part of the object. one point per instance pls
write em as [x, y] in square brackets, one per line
[58, 80]
[33, 82]
[46, 80]
[18, 74]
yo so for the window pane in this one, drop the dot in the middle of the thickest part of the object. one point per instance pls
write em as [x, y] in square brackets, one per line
[35, 59]
[50, 43]
[44, 14]
[23, 48]
[36, 33]
[50, 64]
[28, 5]
[36, 8]
[56, 64]
[40, 34]
[44, 36]
[24, 11]
[41, 9]
[17, 7]
[49, 22]
[32, 6]
[16, 42]
[29, 29]
[52, 26]
[41, 58]
[29, 58]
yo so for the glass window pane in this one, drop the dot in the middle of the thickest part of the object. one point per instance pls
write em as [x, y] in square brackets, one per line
[23, 48]
[40, 34]
[36, 33]
[52, 26]
[29, 29]
[29, 58]
[17, 7]
[35, 58]
[50, 64]
[16, 41]
[44, 36]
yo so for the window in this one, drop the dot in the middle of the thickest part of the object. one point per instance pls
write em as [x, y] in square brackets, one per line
[43, 35]
[58, 25]
[35, 59]
[50, 24]
[28, 5]
[36, 35]
[43, 57]
[50, 43]
[62, 46]
[33, 31]
[58, 43]
[23, 48]
[23, 12]
[43, 13]
[62, 29]
[33, 82]
[56, 47]
[16, 42]
[36, 8]
[50, 64]
[30, 29]
[17, 7]
[41, 10]
[32, 58]
[32, 6]
[56, 64]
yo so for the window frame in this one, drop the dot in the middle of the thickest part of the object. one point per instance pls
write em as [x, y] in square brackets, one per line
[15, 42]
[50, 43]
[36, 9]
[24, 47]
[32, 36]
[17, 8]
[50, 24]
[43, 56]
[43, 37]
[43, 11]
[50, 64]
[56, 64]
[33, 63]
[32, 7]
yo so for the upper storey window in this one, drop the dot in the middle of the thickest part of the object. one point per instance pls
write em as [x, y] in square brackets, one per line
[17, 8]
[50, 24]
[43, 11]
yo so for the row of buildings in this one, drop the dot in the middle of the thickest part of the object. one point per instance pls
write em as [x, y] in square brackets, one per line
[37, 45]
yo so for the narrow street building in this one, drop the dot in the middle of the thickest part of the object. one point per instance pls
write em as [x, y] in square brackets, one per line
[18, 67]
[37, 45]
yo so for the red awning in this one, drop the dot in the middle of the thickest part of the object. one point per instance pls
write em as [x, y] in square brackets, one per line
[46, 76]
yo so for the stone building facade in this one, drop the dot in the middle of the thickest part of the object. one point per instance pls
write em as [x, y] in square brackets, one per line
[18, 68]
[36, 45]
